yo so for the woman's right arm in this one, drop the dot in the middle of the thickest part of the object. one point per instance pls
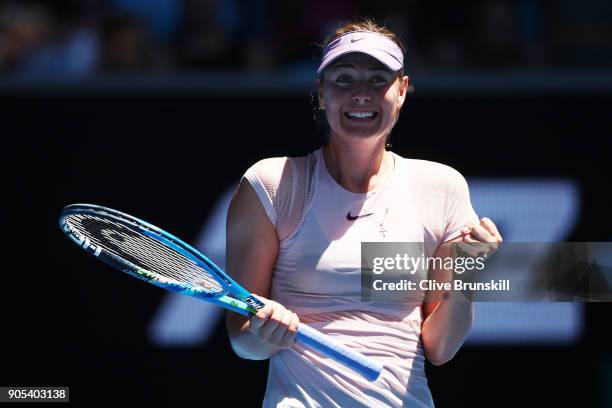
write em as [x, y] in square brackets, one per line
[251, 252]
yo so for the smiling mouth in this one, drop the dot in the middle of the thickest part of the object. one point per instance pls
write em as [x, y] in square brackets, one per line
[361, 116]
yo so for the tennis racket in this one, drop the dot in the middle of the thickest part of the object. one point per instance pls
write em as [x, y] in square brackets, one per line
[153, 255]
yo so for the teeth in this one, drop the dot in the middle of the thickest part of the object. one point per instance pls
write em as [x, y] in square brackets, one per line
[361, 114]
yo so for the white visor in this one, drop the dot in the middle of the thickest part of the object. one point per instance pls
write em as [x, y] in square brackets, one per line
[373, 44]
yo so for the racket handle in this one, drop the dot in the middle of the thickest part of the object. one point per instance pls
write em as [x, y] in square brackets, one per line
[313, 338]
[365, 366]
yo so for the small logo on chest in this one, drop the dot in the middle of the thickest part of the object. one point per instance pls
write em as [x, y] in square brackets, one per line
[354, 217]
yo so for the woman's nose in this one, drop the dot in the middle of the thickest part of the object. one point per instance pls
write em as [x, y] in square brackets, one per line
[361, 96]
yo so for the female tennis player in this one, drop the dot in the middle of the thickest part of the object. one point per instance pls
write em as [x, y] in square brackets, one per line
[294, 233]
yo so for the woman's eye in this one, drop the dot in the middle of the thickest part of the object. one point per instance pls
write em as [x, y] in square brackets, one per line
[344, 78]
[378, 79]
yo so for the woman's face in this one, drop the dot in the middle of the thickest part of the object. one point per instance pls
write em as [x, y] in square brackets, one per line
[361, 97]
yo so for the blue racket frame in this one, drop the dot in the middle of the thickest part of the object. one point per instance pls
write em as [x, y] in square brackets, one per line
[244, 302]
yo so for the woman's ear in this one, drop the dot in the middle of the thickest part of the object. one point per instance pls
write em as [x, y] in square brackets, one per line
[403, 90]
[320, 96]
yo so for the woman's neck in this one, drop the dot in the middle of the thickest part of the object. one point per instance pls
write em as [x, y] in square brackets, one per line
[358, 170]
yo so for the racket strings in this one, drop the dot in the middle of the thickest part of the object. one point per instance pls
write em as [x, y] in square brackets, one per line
[135, 248]
[143, 251]
[166, 261]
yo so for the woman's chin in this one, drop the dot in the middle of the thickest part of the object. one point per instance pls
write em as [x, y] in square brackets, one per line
[361, 135]
[361, 128]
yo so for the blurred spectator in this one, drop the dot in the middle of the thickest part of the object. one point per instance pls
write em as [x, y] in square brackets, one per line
[75, 38]
[255, 34]
[34, 42]
[161, 17]
[495, 40]
[441, 33]
[126, 45]
[532, 26]
[24, 29]
[582, 32]
[299, 26]
[73, 54]
[203, 41]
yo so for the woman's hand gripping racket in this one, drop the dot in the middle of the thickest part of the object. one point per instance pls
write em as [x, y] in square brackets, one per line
[148, 253]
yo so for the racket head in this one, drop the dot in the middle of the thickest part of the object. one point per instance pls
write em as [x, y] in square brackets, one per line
[146, 252]
[126, 243]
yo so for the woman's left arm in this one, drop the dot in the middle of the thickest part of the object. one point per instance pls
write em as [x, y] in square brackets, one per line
[447, 323]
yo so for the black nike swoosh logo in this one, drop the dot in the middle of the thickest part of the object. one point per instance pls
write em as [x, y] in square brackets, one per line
[357, 39]
[353, 218]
